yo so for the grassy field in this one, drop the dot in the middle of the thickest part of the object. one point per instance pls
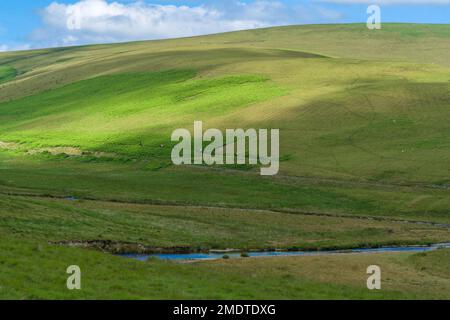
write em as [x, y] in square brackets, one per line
[364, 159]
[163, 226]
[35, 271]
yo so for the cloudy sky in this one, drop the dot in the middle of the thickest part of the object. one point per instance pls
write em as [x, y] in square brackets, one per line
[26, 24]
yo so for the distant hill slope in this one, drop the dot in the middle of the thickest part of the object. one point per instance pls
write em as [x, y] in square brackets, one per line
[350, 102]
[395, 42]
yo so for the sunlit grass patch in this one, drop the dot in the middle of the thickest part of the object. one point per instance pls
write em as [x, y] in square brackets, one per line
[7, 73]
[127, 112]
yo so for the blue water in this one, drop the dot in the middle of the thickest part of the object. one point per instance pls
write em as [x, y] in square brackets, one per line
[236, 255]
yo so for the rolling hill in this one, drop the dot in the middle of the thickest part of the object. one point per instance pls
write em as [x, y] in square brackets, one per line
[85, 143]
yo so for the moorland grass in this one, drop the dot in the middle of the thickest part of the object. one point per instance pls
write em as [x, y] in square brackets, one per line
[35, 270]
[127, 112]
[133, 182]
[163, 226]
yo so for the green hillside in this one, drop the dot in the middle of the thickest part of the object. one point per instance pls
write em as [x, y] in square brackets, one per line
[363, 117]
[115, 112]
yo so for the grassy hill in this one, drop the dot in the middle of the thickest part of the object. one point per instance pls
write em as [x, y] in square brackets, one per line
[364, 135]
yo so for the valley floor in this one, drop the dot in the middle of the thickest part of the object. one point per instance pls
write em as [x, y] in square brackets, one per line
[35, 270]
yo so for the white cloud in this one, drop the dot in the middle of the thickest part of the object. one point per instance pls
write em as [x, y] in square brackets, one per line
[389, 2]
[99, 21]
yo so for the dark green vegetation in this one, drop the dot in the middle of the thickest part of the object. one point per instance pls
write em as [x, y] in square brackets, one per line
[364, 144]
[7, 73]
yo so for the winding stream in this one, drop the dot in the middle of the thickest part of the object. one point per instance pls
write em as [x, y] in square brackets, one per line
[237, 255]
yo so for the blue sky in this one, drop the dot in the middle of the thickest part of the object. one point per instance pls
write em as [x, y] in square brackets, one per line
[47, 23]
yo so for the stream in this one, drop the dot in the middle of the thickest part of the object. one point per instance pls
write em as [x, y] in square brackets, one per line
[254, 254]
